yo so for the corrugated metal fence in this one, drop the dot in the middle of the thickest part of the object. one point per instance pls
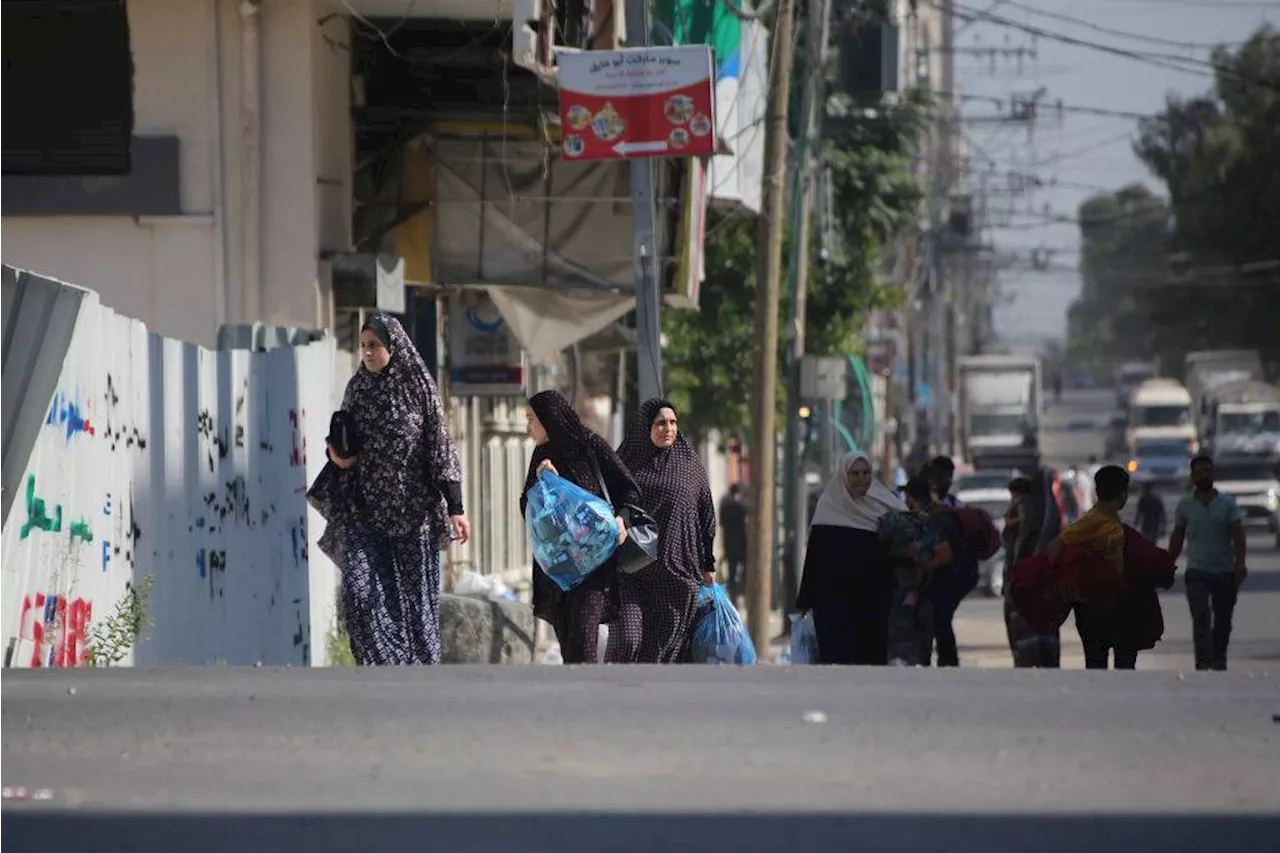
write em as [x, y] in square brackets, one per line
[154, 457]
[495, 450]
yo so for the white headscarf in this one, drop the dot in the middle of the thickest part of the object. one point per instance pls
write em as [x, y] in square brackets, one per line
[837, 507]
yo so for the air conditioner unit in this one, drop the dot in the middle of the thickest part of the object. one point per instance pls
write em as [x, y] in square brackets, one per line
[868, 60]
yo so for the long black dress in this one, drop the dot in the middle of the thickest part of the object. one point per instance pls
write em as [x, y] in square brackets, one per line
[572, 447]
[848, 584]
[659, 603]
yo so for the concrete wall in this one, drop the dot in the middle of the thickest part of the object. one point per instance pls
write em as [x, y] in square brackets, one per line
[160, 458]
[184, 276]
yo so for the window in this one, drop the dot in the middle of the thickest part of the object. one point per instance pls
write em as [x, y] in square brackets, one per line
[1248, 423]
[1164, 448]
[68, 87]
[1246, 473]
[984, 424]
[1164, 416]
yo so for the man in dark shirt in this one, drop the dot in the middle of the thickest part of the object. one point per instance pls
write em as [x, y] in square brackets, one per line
[1150, 516]
[733, 526]
[941, 473]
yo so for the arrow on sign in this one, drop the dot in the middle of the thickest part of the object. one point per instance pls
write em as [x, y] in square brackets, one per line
[625, 148]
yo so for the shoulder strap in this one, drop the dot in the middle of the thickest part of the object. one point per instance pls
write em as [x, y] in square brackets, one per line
[604, 489]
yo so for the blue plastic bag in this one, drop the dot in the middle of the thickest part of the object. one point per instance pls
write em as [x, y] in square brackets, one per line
[719, 635]
[804, 640]
[572, 531]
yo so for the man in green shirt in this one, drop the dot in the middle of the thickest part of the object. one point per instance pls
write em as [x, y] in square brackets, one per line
[1211, 526]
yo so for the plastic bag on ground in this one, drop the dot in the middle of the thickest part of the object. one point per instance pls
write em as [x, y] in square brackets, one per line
[476, 585]
[804, 640]
[719, 636]
[572, 531]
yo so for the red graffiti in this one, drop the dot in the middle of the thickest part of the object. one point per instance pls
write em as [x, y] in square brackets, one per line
[66, 623]
[298, 458]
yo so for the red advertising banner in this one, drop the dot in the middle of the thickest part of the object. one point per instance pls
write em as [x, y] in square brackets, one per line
[639, 102]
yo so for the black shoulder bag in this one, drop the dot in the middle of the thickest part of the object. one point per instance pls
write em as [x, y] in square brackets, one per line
[640, 549]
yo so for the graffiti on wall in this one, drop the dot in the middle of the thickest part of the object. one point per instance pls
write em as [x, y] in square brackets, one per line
[66, 414]
[40, 517]
[99, 505]
[57, 626]
[115, 433]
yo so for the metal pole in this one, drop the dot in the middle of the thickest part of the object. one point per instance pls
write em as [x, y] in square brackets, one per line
[648, 298]
[794, 488]
[765, 380]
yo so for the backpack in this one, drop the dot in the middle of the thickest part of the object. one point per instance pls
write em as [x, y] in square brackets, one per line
[980, 532]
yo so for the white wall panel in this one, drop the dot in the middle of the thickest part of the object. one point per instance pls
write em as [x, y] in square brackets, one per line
[162, 458]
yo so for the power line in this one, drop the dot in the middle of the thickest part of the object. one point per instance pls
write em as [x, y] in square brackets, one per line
[1188, 65]
[1089, 25]
[1210, 4]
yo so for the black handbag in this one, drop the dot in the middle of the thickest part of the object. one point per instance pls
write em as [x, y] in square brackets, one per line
[343, 435]
[640, 549]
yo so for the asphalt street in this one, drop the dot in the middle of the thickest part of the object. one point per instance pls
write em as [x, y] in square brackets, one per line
[1074, 431]
[640, 759]
[648, 759]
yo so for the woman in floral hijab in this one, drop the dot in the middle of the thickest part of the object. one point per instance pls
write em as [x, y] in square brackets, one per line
[392, 508]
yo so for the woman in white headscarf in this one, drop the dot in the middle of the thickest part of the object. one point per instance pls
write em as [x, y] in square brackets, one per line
[848, 575]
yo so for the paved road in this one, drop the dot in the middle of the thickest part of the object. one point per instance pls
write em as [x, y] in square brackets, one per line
[1254, 645]
[641, 759]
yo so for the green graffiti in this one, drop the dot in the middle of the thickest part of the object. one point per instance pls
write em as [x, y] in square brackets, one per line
[82, 531]
[37, 513]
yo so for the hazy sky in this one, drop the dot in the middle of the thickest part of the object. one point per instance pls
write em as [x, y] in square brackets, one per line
[1082, 152]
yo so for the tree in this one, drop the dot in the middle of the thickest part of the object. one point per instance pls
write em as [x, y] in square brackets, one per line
[708, 354]
[1124, 243]
[1209, 278]
[1219, 156]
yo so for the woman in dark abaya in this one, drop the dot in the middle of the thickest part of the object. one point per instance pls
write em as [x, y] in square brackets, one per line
[394, 506]
[657, 604]
[566, 446]
[848, 576]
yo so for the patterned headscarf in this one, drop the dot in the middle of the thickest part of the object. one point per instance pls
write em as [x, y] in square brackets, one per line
[406, 450]
[674, 489]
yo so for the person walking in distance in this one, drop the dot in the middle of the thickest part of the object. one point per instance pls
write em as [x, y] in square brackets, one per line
[393, 506]
[564, 445]
[941, 474]
[1150, 518]
[733, 525]
[1211, 527]
[659, 603]
[848, 579]
[1100, 532]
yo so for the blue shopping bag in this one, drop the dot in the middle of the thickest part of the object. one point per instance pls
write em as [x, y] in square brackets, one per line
[720, 635]
[572, 531]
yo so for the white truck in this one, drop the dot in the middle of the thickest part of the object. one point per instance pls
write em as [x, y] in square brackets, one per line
[1209, 369]
[1000, 399]
[1243, 419]
[1129, 376]
[1160, 410]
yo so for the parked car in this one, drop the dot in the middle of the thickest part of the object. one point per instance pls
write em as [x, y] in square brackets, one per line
[988, 490]
[1255, 484]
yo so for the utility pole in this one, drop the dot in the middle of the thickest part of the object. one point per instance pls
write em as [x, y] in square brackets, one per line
[765, 380]
[817, 27]
[648, 297]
